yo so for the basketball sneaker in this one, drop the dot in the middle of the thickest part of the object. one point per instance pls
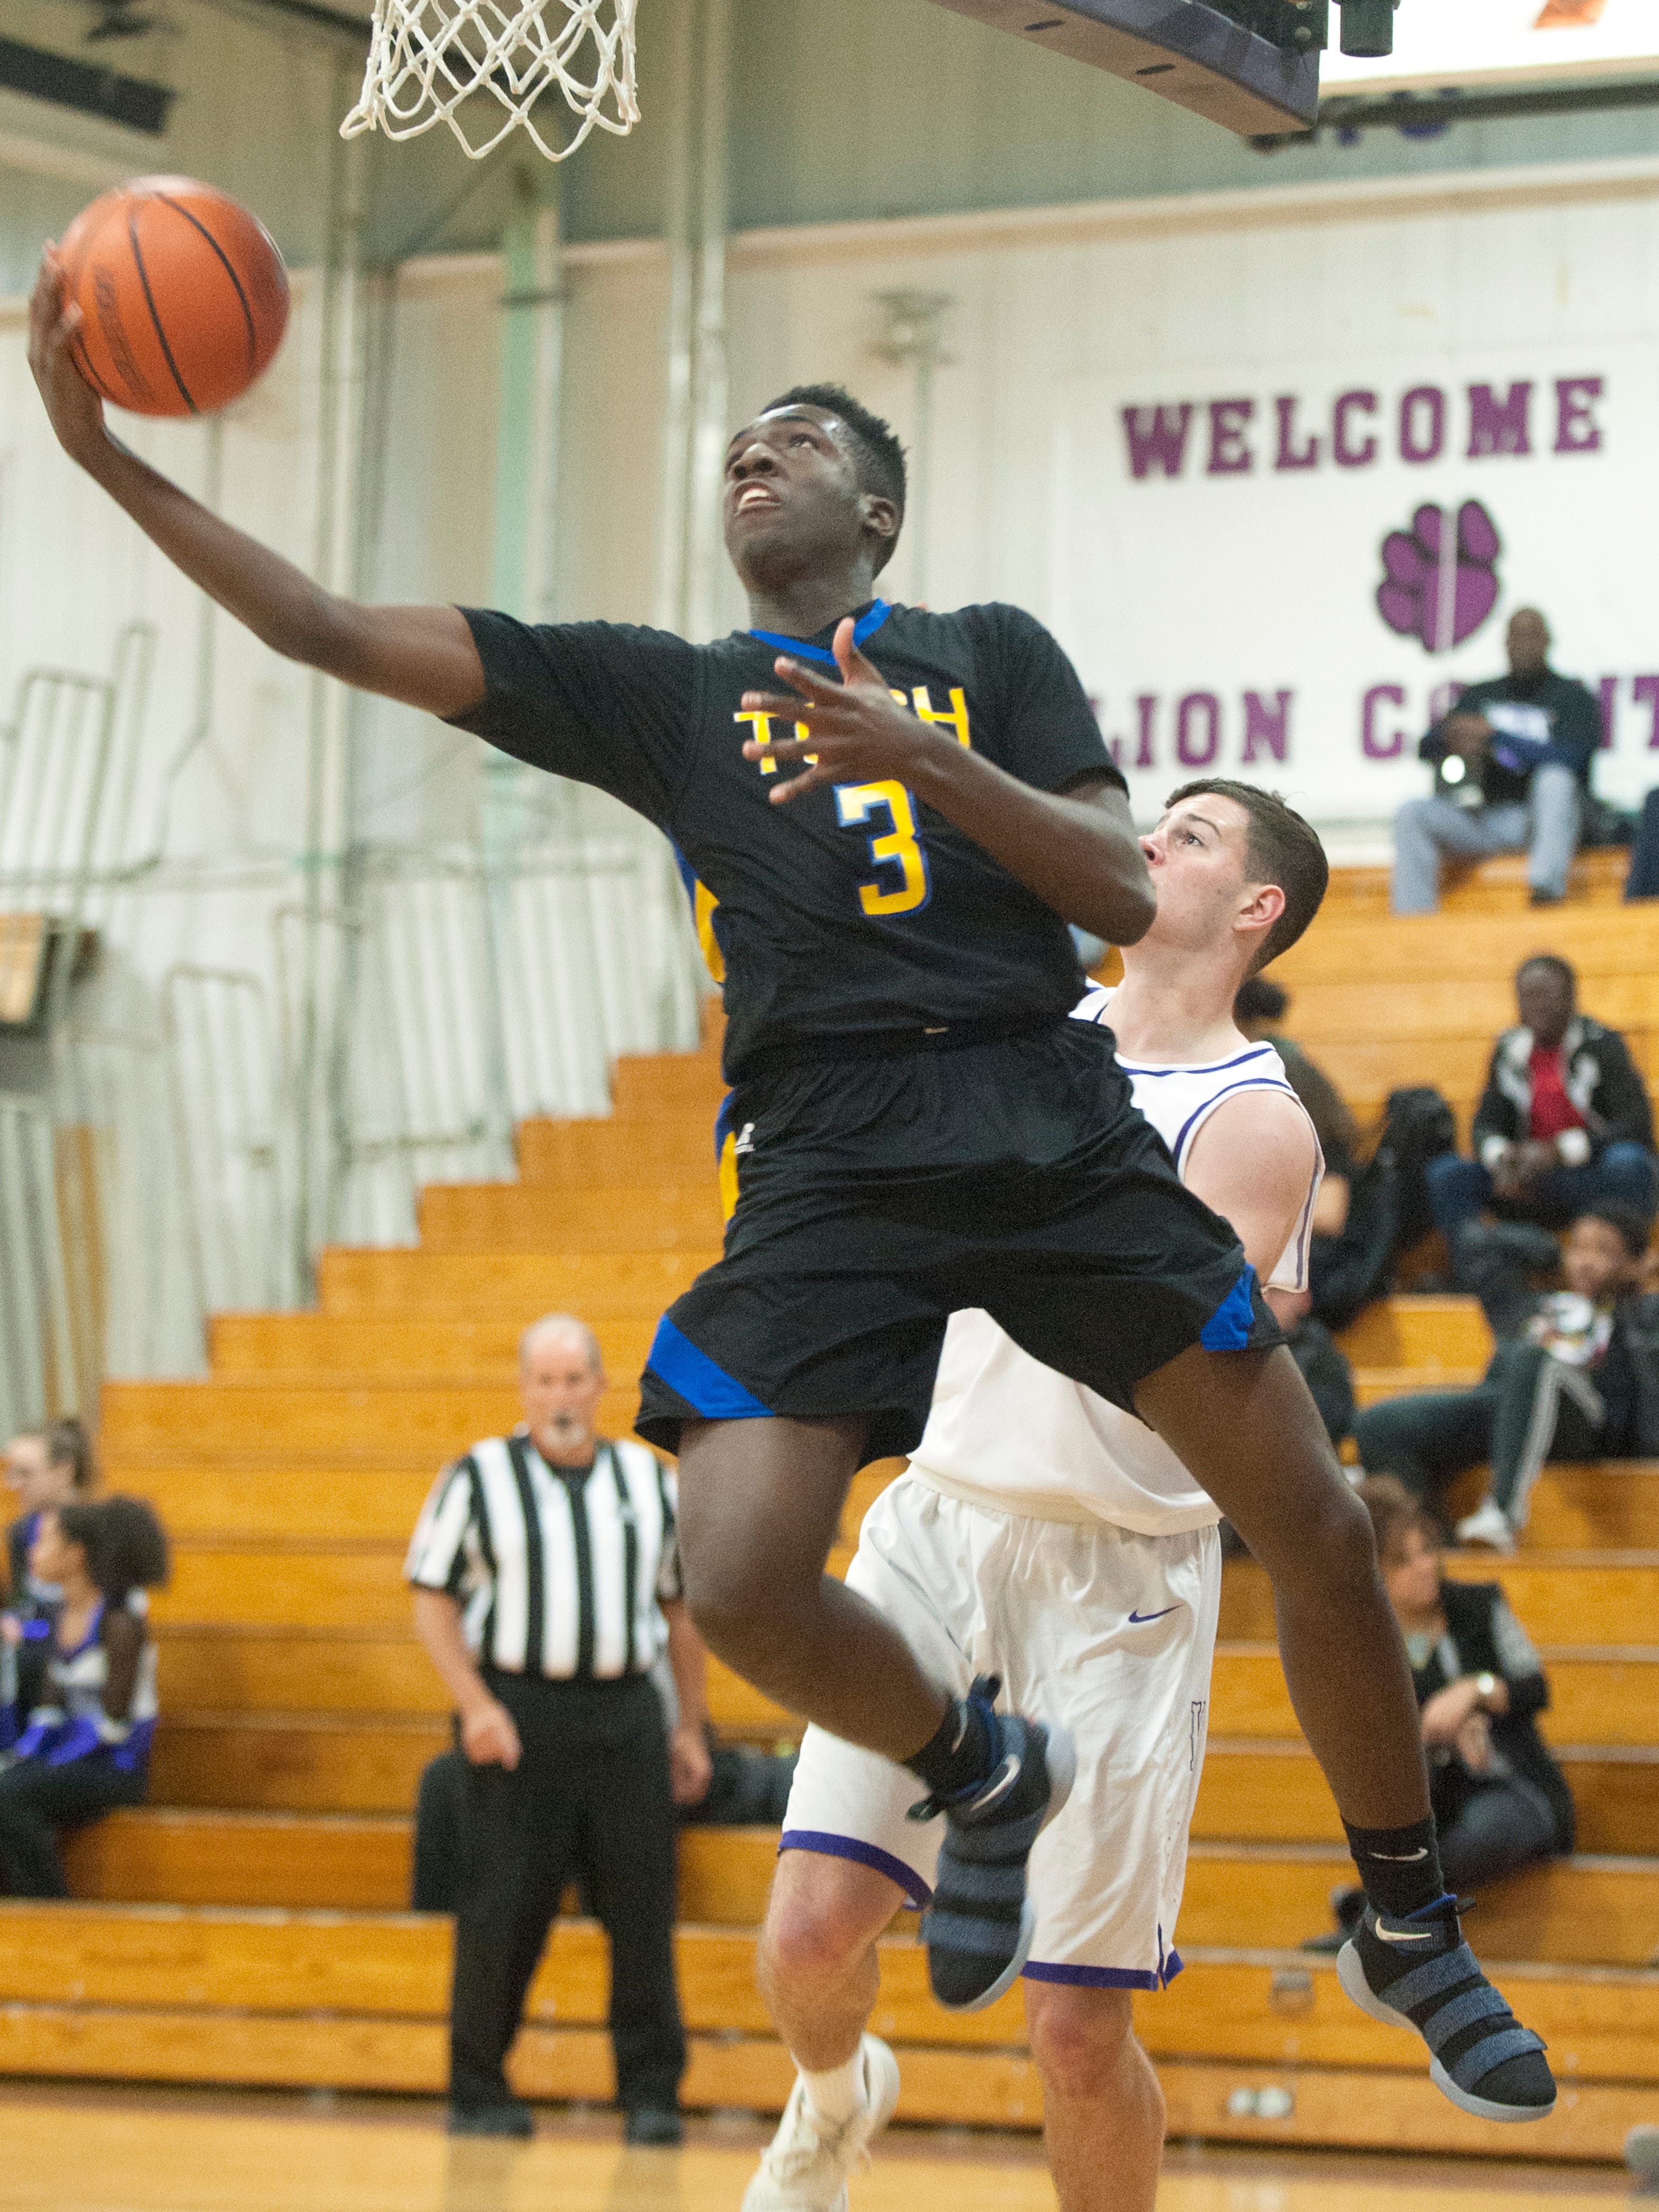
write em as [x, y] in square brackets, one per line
[808, 2160]
[1418, 1972]
[978, 1927]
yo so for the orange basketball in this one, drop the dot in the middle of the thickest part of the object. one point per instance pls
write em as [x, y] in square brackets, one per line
[184, 293]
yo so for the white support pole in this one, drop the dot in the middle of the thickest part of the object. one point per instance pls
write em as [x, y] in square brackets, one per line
[913, 336]
[524, 582]
[678, 347]
[710, 381]
[334, 560]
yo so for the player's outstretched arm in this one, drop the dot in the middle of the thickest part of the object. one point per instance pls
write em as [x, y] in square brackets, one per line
[1252, 1163]
[1076, 849]
[424, 656]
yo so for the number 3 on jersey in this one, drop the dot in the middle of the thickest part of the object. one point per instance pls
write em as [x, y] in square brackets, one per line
[910, 889]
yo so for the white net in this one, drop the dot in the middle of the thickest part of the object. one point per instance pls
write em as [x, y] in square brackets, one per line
[482, 68]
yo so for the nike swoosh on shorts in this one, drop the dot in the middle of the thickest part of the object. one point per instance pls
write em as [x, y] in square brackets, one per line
[1139, 1619]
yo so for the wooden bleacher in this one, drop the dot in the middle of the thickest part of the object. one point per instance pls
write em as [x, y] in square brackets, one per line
[244, 1928]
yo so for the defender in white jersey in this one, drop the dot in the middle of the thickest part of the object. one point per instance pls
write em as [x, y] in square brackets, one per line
[1043, 1535]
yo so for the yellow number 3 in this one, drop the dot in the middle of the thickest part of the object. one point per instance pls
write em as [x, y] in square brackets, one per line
[854, 805]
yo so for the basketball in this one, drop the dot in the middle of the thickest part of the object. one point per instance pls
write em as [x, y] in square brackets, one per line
[183, 294]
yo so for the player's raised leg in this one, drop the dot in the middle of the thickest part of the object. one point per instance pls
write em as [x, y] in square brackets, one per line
[1245, 1425]
[759, 1504]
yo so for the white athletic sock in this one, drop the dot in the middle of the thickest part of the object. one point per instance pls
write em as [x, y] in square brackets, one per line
[837, 2096]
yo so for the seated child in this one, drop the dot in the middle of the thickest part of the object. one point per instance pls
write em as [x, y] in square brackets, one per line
[48, 1466]
[85, 1746]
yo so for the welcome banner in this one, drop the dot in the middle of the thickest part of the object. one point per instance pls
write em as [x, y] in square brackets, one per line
[1282, 573]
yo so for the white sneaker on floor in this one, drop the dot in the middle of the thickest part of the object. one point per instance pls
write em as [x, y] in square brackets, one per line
[1488, 1525]
[808, 2160]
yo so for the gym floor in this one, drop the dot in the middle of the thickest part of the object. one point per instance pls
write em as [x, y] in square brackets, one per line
[75, 2150]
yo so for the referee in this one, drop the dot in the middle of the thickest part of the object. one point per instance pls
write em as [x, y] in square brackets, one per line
[547, 1586]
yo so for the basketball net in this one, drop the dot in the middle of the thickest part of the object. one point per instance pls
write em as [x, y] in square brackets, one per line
[427, 57]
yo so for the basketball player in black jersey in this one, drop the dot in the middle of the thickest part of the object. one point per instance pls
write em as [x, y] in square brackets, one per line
[897, 813]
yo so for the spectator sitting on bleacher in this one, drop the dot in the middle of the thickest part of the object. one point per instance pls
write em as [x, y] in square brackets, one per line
[45, 1467]
[1563, 1125]
[85, 1747]
[1512, 762]
[1500, 1801]
[1576, 1383]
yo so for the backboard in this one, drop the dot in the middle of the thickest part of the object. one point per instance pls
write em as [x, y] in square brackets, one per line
[1181, 49]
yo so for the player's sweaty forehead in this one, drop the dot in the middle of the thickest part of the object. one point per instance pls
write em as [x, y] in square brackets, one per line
[777, 418]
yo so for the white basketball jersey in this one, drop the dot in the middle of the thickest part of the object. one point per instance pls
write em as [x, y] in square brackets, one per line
[1007, 1432]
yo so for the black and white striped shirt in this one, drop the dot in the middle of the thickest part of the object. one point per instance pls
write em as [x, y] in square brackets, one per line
[557, 1573]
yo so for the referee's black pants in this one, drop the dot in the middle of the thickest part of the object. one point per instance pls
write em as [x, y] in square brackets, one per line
[590, 1797]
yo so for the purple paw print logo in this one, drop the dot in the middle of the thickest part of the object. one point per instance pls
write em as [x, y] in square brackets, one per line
[1440, 577]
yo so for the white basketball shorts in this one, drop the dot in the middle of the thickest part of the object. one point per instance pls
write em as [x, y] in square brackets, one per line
[1112, 1633]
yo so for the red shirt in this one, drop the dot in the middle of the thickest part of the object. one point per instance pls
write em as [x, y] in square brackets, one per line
[1552, 1109]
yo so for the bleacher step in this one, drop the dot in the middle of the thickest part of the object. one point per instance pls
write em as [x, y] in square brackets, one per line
[1608, 1697]
[519, 1217]
[131, 1993]
[1585, 1911]
[516, 1286]
[349, 1351]
[241, 1670]
[1560, 1598]
[1252, 1790]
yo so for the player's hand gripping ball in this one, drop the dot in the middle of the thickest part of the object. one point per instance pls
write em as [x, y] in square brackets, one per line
[182, 292]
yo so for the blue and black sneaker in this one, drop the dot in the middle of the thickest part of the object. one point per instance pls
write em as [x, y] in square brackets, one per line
[1418, 1972]
[978, 1930]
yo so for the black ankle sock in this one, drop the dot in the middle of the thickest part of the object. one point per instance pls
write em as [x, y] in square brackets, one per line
[959, 1754]
[1399, 1867]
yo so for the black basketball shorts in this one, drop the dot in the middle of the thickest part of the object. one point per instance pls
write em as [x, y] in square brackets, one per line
[876, 1197]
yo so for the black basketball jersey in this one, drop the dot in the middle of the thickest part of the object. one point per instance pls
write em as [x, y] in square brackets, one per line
[857, 910]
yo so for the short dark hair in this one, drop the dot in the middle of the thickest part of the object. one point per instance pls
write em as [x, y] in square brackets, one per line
[1282, 849]
[878, 454]
[126, 1548]
[1625, 1222]
[1259, 1000]
[1564, 968]
[1395, 1512]
[68, 1445]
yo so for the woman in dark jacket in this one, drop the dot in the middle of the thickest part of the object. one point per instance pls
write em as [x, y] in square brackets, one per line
[1500, 1801]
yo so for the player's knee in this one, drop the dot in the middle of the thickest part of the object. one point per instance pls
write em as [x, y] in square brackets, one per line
[811, 1940]
[1339, 1542]
[824, 1916]
[732, 1607]
[1081, 2037]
